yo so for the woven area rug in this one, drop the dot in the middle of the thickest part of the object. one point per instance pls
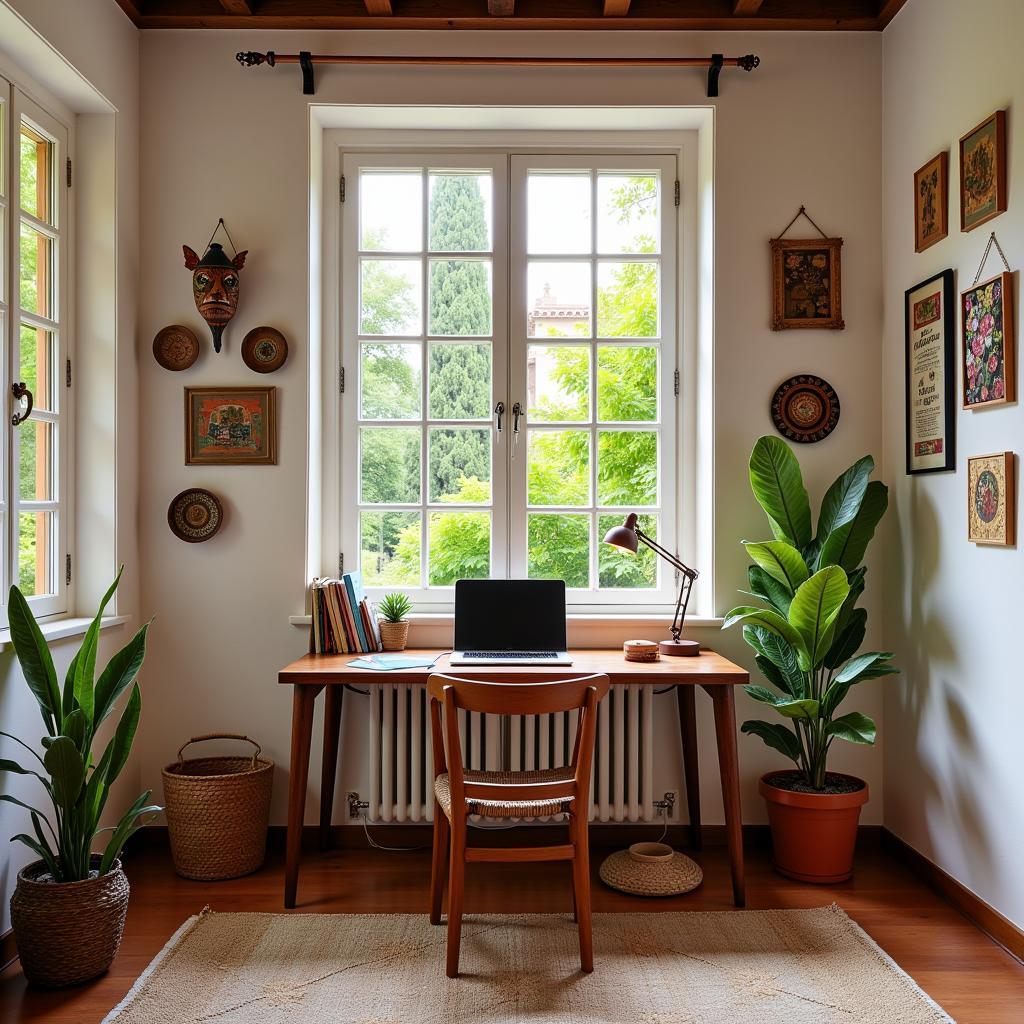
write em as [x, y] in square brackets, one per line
[740, 967]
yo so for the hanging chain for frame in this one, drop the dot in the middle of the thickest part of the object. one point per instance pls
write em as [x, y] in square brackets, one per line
[992, 240]
[221, 224]
[802, 212]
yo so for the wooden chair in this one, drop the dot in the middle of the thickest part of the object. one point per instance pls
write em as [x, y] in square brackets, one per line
[459, 792]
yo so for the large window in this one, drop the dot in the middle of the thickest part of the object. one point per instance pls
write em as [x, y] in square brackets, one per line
[34, 317]
[510, 348]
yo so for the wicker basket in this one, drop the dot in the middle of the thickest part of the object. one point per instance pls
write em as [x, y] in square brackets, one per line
[394, 635]
[68, 932]
[218, 809]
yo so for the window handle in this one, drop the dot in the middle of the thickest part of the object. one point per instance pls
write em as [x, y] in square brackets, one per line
[21, 393]
[499, 411]
[517, 412]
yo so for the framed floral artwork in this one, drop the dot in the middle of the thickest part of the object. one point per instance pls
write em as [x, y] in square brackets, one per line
[931, 202]
[807, 283]
[992, 500]
[983, 172]
[987, 329]
[230, 426]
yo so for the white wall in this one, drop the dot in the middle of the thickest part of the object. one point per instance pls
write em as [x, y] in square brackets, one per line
[219, 140]
[953, 750]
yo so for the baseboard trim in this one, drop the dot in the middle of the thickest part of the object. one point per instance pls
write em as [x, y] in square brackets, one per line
[8, 949]
[984, 916]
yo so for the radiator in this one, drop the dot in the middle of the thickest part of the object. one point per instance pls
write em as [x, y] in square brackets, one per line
[401, 760]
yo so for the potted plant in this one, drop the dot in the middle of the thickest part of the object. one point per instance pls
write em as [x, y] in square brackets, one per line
[68, 908]
[394, 626]
[806, 635]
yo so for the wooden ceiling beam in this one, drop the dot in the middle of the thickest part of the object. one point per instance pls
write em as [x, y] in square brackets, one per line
[379, 8]
[746, 8]
[616, 8]
[501, 8]
[238, 6]
[887, 10]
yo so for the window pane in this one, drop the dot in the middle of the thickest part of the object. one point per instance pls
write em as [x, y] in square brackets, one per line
[390, 382]
[627, 467]
[391, 211]
[559, 547]
[459, 384]
[558, 383]
[36, 543]
[37, 353]
[389, 465]
[459, 547]
[390, 297]
[628, 210]
[460, 465]
[627, 383]
[558, 295]
[558, 467]
[558, 213]
[36, 174]
[460, 297]
[390, 548]
[627, 300]
[461, 213]
[36, 272]
[36, 461]
[618, 568]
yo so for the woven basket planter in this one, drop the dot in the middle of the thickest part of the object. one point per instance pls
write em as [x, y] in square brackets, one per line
[68, 932]
[394, 635]
[218, 809]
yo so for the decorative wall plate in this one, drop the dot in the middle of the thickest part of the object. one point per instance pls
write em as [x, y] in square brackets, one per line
[264, 349]
[195, 515]
[175, 347]
[805, 409]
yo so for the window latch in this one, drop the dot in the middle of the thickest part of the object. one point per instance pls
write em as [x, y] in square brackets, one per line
[499, 411]
[21, 393]
[517, 412]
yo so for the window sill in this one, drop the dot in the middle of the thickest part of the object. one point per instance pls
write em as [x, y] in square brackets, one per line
[61, 629]
[618, 618]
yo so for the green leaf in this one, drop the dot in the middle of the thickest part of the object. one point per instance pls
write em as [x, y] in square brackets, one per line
[74, 728]
[85, 663]
[67, 770]
[814, 609]
[804, 710]
[843, 499]
[41, 852]
[776, 736]
[126, 827]
[761, 693]
[847, 640]
[854, 728]
[778, 485]
[124, 734]
[34, 658]
[846, 545]
[22, 743]
[833, 697]
[7, 798]
[773, 674]
[97, 790]
[872, 665]
[780, 560]
[120, 673]
[781, 654]
[7, 765]
[767, 619]
[769, 589]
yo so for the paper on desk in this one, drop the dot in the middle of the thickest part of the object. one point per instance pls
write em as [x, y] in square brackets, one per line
[390, 662]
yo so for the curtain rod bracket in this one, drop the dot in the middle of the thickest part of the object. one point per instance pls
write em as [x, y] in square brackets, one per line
[306, 63]
[717, 60]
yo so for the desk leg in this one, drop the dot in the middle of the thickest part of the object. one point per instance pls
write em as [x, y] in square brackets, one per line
[329, 771]
[688, 738]
[728, 764]
[298, 776]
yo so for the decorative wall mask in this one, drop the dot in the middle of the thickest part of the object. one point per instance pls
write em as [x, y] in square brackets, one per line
[215, 283]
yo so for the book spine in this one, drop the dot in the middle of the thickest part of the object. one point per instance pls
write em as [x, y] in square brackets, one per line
[364, 610]
[348, 618]
[343, 645]
[314, 640]
[353, 600]
[378, 643]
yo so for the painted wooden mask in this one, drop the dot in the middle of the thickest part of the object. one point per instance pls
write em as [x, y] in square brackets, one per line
[215, 286]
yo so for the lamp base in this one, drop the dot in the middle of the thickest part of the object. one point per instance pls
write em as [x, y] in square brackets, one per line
[679, 648]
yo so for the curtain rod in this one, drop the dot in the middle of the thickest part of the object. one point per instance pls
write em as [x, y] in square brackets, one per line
[714, 63]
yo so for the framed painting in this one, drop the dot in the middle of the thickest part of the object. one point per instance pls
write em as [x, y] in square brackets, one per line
[987, 329]
[930, 375]
[931, 202]
[992, 500]
[806, 283]
[230, 426]
[983, 172]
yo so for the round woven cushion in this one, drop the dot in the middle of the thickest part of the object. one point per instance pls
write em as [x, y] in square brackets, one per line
[639, 878]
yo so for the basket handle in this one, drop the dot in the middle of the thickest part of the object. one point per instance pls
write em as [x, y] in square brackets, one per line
[221, 736]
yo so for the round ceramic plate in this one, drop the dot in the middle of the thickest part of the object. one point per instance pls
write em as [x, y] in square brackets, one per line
[175, 347]
[195, 515]
[805, 409]
[264, 349]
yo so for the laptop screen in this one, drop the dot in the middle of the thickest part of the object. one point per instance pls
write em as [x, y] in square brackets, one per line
[510, 615]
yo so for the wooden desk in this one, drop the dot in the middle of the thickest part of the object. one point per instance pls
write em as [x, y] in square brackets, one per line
[330, 672]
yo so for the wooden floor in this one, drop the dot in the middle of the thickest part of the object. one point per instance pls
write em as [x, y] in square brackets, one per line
[975, 980]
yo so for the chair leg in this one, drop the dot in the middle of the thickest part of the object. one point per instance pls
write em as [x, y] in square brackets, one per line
[572, 867]
[581, 890]
[439, 865]
[456, 889]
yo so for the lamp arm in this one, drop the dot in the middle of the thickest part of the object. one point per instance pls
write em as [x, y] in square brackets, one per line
[667, 555]
[689, 575]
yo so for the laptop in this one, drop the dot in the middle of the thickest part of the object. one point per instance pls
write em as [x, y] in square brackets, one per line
[510, 622]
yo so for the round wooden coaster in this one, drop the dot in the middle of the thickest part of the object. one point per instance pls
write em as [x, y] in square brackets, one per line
[264, 349]
[175, 347]
[805, 409]
[195, 515]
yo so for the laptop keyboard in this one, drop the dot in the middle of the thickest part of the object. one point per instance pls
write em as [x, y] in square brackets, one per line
[510, 654]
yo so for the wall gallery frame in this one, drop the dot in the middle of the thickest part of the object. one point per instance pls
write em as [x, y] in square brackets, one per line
[930, 375]
[992, 500]
[230, 426]
[983, 172]
[807, 283]
[931, 202]
[987, 328]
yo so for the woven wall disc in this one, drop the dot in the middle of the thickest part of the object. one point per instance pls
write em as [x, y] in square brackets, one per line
[805, 409]
[195, 515]
[264, 349]
[175, 347]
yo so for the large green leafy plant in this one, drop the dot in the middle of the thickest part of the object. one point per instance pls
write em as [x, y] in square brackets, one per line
[76, 785]
[808, 631]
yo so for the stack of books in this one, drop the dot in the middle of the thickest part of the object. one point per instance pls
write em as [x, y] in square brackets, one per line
[344, 618]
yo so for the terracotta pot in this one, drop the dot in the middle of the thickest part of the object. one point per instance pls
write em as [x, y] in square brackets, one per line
[68, 932]
[814, 834]
[394, 635]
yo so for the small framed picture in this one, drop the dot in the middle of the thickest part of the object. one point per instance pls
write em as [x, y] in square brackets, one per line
[230, 426]
[807, 283]
[931, 202]
[992, 500]
[983, 172]
[987, 329]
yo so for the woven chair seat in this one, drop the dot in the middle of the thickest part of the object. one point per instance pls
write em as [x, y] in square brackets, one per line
[508, 808]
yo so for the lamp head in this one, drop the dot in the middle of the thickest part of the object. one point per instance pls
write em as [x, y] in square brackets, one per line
[624, 536]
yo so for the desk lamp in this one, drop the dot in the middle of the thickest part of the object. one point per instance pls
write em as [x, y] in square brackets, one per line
[628, 537]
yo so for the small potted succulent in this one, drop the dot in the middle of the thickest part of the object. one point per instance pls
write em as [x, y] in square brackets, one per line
[68, 907]
[806, 634]
[394, 624]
